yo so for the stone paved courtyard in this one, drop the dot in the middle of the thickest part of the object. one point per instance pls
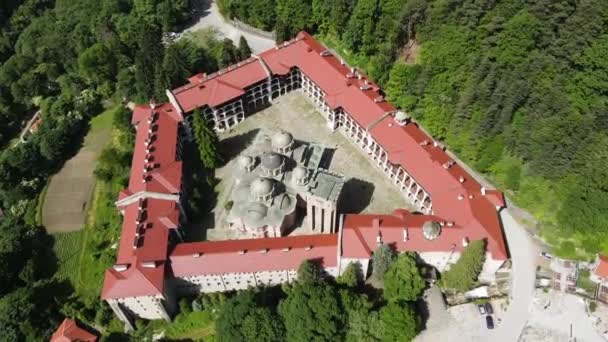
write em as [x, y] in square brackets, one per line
[366, 190]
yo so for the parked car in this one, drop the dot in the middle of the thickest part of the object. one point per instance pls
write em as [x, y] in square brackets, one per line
[489, 308]
[546, 255]
[481, 308]
[489, 322]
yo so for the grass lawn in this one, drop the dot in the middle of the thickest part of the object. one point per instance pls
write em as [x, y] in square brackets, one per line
[196, 326]
[68, 247]
[100, 234]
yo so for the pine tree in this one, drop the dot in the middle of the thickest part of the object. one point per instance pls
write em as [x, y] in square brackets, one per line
[349, 277]
[381, 260]
[207, 141]
[244, 49]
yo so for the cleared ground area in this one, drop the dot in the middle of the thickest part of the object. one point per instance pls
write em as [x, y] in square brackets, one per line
[366, 189]
[64, 207]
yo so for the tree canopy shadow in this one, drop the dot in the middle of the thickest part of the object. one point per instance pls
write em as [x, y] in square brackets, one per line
[356, 195]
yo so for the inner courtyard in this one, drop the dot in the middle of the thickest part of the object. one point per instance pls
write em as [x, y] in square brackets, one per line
[365, 190]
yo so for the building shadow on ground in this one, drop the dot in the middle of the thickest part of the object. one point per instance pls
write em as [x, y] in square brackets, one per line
[356, 195]
[233, 146]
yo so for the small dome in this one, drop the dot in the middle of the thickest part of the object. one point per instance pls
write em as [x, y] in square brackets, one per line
[261, 187]
[255, 212]
[431, 230]
[282, 140]
[245, 161]
[401, 116]
[300, 172]
[285, 202]
[272, 161]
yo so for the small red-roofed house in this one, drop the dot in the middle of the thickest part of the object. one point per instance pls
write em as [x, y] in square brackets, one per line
[70, 331]
[599, 275]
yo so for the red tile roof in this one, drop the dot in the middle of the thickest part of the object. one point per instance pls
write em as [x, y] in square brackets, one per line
[69, 331]
[601, 268]
[220, 87]
[361, 232]
[270, 254]
[164, 172]
[135, 281]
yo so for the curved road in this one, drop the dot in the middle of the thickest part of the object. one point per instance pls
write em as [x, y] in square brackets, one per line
[523, 254]
[211, 17]
[523, 250]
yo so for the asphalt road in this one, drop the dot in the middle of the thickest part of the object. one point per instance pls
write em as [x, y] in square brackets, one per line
[211, 17]
[523, 254]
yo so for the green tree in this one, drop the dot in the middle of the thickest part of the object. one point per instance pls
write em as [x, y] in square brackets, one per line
[97, 64]
[402, 280]
[310, 272]
[311, 312]
[292, 16]
[381, 260]
[400, 322]
[244, 49]
[243, 319]
[350, 276]
[462, 276]
[206, 140]
[364, 326]
[339, 13]
[359, 33]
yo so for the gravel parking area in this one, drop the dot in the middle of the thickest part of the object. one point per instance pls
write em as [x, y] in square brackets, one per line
[457, 323]
[557, 317]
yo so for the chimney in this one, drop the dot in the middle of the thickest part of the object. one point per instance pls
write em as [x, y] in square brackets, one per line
[153, 104]
[404, 234]
[120, 268]
[461, 179]
[460, 197]
[483, 190]
[465, 241]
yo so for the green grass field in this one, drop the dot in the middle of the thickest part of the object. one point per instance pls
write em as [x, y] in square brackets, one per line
[84, 255]
[68, 247]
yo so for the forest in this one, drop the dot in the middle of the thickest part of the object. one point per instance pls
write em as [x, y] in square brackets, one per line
[70, 59]
[517, 89]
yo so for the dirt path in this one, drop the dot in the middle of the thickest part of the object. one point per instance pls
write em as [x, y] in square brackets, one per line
[65, 204]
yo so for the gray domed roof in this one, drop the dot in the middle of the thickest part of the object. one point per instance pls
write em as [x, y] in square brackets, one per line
[271, 161]
[431, 230]
[245, 161]
[282, 140]
[401, 116]
[261, 187]
[256, 212]
[300, 172]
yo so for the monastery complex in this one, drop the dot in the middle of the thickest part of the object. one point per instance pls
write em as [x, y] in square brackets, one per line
[154, 266]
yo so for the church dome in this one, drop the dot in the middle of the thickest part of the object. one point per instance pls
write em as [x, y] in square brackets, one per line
[245, 161]
[401, 117]
[300, 172]
[282, 140]
[261, 187]
[255, 213]
[431, 230]
[272, 161]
